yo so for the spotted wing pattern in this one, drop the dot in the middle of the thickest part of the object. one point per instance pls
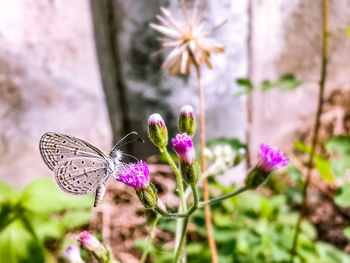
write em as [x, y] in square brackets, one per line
[81, 176]
[57, 148]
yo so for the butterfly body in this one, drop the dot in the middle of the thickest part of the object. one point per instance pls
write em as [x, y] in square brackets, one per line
[79, 167]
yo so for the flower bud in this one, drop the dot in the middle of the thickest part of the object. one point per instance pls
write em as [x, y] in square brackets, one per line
[72, 253]
[91, 244]
[270, 159]
[183, 146]
[148, 196]
[190, 173]
[187, 120]
[157, 130]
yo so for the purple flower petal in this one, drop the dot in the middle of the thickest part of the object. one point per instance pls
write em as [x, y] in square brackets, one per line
[271, 158]
[135, 175]
[183, 146]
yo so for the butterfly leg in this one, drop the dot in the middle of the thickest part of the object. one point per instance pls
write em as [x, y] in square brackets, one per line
[100, 192]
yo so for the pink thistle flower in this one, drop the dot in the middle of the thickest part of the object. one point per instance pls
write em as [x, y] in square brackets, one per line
[271, 158]
[89, 241]
[72, 253]
[135, 175]
[183, 146]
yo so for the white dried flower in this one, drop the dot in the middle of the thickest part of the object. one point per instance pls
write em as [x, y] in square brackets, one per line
[188, 39]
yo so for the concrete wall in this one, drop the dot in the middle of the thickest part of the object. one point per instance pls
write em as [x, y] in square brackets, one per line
[49, 77]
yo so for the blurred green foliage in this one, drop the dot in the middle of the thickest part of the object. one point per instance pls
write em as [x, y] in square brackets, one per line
[322, 165]
[251, 228]
[35, 216]
[287, 82]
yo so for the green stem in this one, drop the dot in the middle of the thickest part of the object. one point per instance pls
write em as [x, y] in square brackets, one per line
[223, 197]
[165, 153]
[185, 223]
[149, 240]
[168, 215]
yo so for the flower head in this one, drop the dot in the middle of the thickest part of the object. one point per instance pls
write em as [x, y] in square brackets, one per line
[183, 146]
[157, 130]
[271, 158]
[72, 253]
[135, 175]
[188, 39]
[89, 241]
[91, 244]
[187, 121]
[187, 110]
[156, 120]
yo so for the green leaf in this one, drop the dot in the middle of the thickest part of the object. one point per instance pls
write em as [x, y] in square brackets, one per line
[349, 32]
[76, 219]
[347, 232]
[322, 165]
[295, 174]
[246, 85]
[342, 196]
[288, 82]
[18, 246]
[324, 168]
[8, 193]
[330, 254]
[42, 196]
[267, 85]
[339, 145]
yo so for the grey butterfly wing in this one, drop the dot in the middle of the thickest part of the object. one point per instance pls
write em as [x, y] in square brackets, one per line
[57, 148]
[81, 176]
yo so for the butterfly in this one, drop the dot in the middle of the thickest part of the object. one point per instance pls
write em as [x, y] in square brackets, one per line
[79, 167]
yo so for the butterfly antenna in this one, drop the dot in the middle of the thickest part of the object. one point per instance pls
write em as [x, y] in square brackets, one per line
[131, 141]
[122, 139]
[129, 155]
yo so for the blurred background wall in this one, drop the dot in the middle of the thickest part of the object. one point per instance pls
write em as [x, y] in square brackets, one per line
[86, 68]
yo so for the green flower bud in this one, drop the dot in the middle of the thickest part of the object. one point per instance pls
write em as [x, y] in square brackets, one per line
[157, 130]
[147, 196]
[190, 173]
[187, 120]
[256, 177]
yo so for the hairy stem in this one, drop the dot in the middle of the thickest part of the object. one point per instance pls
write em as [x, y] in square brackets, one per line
[168, 215]
[207, 212]
[316, 127]
[149, 240]
[185, 223]
[165, 153]
[223, 197]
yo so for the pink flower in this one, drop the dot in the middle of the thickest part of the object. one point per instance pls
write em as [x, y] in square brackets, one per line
[135, 175]
[271, 158]
[89, 241]
[72, 253]
[183, 146]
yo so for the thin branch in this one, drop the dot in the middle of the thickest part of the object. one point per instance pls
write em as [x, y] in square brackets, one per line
[207, 212]
[316, 127]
